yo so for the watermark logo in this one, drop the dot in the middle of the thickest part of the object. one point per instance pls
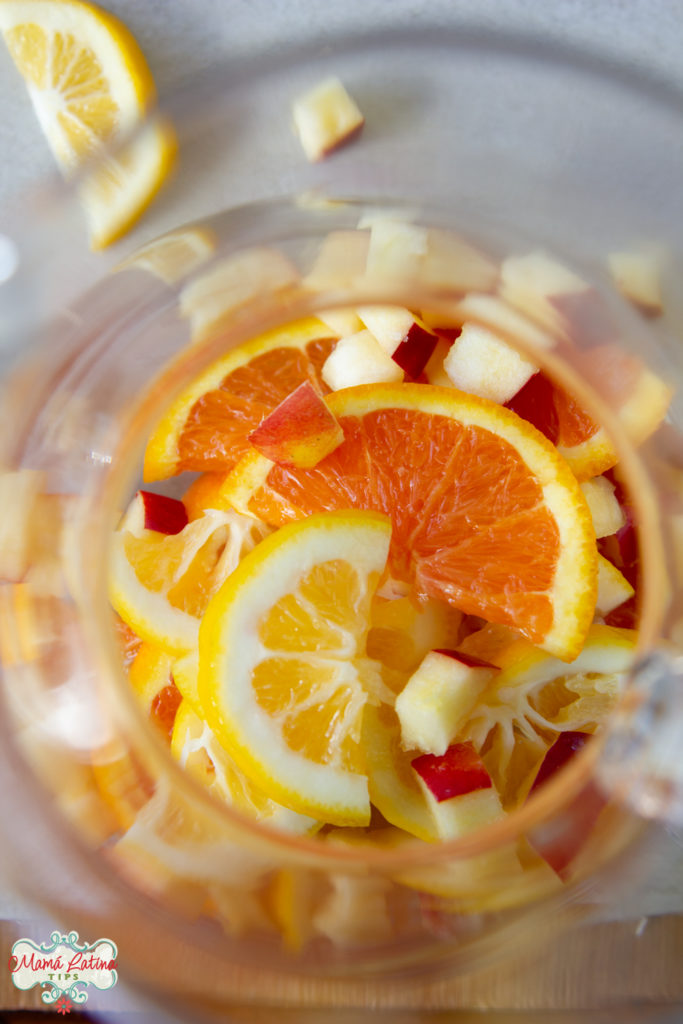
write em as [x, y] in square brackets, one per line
[64, 967]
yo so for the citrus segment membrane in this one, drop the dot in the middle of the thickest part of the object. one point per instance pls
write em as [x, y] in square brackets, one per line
[486, 515]
[160, 584]
[195, 747]
[283, 672]
[534, 697]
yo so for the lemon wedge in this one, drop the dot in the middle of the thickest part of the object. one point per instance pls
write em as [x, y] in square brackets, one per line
[90, 85]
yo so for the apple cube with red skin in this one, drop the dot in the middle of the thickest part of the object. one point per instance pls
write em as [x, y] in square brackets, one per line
[402, 335]
[535, 403]
[560, 839]
[458, 791]
[300, 431]
[359, 359]
[396, 249]
[325, 118]
[481, 363]
[457, 772]
[161, 513]
[438, 697]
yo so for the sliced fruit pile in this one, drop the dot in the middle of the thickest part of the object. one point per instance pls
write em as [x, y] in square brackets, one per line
[394, 594]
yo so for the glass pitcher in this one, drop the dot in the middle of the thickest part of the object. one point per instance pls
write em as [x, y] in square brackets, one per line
[201, 898]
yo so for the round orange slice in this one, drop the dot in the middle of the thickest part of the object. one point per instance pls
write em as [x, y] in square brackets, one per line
[207, 426]
[486, 514]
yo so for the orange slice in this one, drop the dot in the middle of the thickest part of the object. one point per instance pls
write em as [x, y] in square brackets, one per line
[486, 515]
[207, 426]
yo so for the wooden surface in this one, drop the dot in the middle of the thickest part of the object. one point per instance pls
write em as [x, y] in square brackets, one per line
[603, 967]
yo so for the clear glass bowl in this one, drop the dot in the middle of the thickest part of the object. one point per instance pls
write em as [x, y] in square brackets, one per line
[515, 146]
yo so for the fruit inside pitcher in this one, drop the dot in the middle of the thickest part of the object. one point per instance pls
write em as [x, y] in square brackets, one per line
[381, 580]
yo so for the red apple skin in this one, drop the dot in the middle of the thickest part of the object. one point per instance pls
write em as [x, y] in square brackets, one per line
[563, 749]
[449, 333]
[623, 551]
[535, 403]
[466, 659]
[561, 839]
[415, 350]
[163, 514]
[300, 431]
[457, 772]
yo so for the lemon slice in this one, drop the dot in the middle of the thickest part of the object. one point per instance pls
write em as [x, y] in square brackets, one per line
[196, 748]
[534, 697]
[90, 85]
[160, 584]
[283, 672]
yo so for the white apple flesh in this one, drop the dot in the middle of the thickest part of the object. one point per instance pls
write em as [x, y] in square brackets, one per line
[359, 359]
[606, 512]
[481, 363]
[325, 118]
[613, 587]
[402, 335]
[436, 701]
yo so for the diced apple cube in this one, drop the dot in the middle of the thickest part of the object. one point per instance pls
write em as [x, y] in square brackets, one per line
[163, 514]
[606, 512]
[359, 359]
[402, 335]
[613, 587]
[637, 275]
[325, 118]
[342, 321]
[396, 250]
[437, 699]
[452, 264]
[389, 324]
[300, 431]
[340, 262]
[474, 806]
[457, 772]
[480, 363]
[503, 319]
[534, 284]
